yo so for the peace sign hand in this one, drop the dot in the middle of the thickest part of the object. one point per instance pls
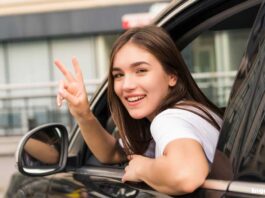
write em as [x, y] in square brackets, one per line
[73, 90]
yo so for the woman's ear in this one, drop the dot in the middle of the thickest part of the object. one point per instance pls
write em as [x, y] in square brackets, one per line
[172, 80]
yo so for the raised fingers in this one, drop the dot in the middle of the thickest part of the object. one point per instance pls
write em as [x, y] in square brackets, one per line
[63, 69]
[71, 99]
[77, 69]
[64, 94]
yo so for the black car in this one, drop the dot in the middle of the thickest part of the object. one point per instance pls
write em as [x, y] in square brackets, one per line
[239, 164]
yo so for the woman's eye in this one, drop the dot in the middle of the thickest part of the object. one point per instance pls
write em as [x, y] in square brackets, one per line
[141, 71]
[118, 75]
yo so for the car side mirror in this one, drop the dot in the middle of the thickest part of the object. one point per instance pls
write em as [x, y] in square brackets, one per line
[43, 150]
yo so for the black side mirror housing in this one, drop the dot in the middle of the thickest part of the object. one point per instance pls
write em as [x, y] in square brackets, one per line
[43, 150]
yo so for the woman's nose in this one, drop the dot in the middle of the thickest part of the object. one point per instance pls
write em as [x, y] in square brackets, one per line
[129, 82]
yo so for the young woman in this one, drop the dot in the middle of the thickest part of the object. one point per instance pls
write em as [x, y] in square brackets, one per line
[159, 110]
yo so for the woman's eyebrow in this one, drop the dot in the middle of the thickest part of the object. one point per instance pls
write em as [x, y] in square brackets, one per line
[139, 63]
[115, 69]
[135, 64]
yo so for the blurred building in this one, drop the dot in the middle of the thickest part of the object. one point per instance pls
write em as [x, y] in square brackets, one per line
[33, 33]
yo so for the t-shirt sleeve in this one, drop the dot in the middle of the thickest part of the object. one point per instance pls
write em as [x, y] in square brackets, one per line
[167, 127]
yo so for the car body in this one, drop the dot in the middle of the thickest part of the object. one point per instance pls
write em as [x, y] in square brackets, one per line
[238, 169]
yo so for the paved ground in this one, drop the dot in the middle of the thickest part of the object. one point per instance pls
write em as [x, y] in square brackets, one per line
[8, 147]
[7, 167]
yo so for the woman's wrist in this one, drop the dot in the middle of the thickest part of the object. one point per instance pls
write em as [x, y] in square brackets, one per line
[85, 117]
[142, 172]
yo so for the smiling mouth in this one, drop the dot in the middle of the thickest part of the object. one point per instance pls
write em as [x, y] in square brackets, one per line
[134, 99]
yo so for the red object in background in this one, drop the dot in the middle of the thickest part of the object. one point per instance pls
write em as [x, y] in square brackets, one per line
[136, 20]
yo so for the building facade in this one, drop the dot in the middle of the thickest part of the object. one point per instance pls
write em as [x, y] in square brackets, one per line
[33, 33]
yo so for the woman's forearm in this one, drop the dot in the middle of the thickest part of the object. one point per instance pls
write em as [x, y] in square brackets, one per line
[181, 169]
[167, 178]
[101, 143]
[41, 151]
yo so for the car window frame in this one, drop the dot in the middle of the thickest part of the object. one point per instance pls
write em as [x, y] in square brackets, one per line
[211, 22]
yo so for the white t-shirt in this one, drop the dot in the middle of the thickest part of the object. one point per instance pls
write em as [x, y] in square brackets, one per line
[173, 124]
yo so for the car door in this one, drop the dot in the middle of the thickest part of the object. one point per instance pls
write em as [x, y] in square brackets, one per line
[188, 21]
[242, 140]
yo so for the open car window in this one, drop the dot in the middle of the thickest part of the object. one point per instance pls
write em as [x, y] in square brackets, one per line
[213, 57]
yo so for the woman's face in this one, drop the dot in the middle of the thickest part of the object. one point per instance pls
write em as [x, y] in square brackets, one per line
[140, 81]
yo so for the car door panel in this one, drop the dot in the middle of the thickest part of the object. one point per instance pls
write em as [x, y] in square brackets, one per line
[97, 182]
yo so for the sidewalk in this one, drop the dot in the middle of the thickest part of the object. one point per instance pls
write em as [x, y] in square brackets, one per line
[8, 145]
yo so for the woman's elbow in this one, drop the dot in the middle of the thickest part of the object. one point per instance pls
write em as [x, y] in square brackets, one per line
[189, 186]
[185, 185]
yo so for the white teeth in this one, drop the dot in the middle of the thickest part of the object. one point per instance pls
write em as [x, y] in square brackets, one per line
[134, 99]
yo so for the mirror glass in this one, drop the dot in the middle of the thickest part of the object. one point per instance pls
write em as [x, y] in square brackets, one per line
[42, 150]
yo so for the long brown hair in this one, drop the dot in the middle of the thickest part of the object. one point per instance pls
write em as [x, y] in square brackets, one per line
[136, 134]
